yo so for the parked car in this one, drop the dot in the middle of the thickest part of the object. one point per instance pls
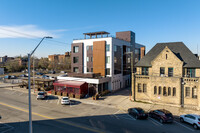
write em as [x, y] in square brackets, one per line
[65, 100]
[192, 119]
[138, 113]
[45, 76]
[41, 95]
[13, 77]
[52, 72]
[38, 73]
[162, 115]
[7, 77]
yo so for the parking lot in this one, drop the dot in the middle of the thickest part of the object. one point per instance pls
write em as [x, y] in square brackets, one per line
[50, 115]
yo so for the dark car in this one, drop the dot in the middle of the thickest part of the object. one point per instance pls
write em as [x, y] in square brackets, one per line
[162, 115]
[138, 113]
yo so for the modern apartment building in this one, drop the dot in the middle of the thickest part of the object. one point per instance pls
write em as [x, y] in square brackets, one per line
[104, 62]
[168, 74]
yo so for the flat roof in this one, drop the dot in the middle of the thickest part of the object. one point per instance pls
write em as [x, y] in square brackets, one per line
[67, 82]
[96, 33]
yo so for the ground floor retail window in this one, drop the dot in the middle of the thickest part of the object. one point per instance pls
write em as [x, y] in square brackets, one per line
[139, 87]
[155, 90]
[164, 91]
[159, 90]
[187, 91]
[144, 88]
[169, 91]
[194, 92]
[174, 91]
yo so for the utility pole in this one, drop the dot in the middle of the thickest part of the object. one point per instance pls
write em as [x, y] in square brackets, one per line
[29, 85]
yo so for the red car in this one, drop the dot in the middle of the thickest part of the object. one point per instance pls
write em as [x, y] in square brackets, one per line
[162, 115]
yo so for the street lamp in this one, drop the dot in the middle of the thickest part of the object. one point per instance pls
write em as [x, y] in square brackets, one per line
[29, 84]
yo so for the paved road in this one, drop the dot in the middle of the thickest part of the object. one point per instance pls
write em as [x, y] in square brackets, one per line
[49, 116]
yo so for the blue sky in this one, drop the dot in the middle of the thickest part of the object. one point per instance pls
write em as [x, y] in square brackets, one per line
[24, 22]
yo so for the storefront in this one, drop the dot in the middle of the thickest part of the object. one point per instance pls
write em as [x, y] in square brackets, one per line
[71, 88]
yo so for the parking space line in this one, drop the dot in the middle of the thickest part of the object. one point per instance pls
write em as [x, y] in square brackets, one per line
[155, 122]
[21, 94]
[184, 126]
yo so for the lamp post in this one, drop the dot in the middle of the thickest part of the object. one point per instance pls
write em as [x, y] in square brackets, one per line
[29, 84]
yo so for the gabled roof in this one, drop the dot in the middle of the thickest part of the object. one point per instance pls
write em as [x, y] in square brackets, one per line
[178, 48]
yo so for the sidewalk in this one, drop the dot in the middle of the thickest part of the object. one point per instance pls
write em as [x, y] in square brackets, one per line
[120, 100]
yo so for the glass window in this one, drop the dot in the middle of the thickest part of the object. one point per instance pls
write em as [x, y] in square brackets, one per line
[115, 48]
[107, 59]
[170, 72]
[139, 87]
[191, 72]
[159, 90]
[91, 59]
[155, 90]
[162, 71]
[91, 69]
[164, 91]
[128, 60]
[115, 59]
[75, 69]
[174, 91]
[75, 49]
[87, 47]
[187, 91]
[107, 47]
[107, 71]
[128, 49]
[194, 92]
[169, 91]
[75, 59]
[88, 70]
[145, 71]
[92, 48]
[144, 88]
[87, 59]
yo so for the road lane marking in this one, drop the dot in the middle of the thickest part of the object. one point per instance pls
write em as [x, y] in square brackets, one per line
[155, 121]
[51, 118]
[184, 126]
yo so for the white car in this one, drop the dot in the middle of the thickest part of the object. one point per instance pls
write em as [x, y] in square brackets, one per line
[65, 100]
[191, 119]
[41, 95]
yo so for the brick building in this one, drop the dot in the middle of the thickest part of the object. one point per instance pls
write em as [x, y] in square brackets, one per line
[168, 74]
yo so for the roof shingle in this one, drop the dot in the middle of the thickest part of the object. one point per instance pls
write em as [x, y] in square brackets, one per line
[178, 48]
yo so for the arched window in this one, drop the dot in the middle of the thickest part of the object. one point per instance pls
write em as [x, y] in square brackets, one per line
[159, 90]
[174, 91]
[194, 92]
[155, 90]
[164, 91]
[169, 91]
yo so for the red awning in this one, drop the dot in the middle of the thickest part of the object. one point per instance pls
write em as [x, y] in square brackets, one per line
[69, 83]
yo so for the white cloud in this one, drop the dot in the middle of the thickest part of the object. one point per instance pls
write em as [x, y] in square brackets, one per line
[24, 31]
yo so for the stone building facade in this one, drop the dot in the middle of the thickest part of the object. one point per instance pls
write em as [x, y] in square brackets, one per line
[168, 74]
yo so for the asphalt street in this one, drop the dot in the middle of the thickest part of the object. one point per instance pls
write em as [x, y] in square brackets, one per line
[52, 117]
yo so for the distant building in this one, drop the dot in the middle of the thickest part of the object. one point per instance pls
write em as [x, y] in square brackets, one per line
[58, 58]
[104, 62]
[168, 74]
